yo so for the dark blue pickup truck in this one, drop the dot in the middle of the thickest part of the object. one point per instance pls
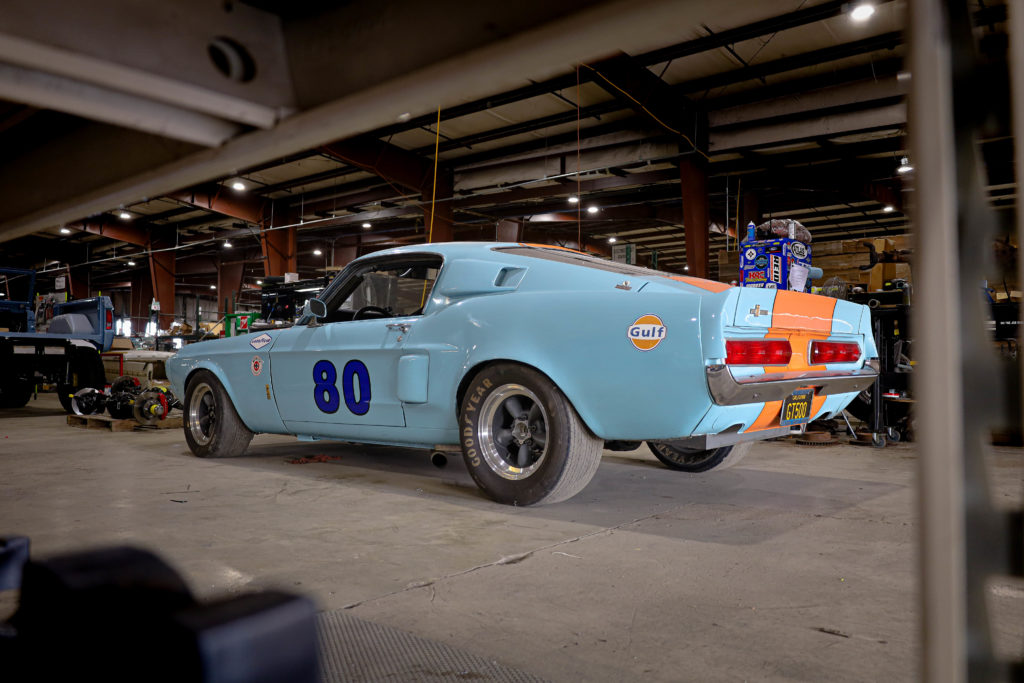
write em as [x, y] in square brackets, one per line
[67, 354]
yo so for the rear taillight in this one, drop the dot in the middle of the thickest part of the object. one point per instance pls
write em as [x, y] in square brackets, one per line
[757, 352]
[110, 320]
[834, 352]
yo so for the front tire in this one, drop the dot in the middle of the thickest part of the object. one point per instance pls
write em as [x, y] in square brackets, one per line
[212, 427]
[685, 460]
[522, 440]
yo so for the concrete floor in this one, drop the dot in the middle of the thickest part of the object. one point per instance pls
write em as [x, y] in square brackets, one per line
[798, 564]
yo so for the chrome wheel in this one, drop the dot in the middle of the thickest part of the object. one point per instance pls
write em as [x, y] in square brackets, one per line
[513, 431]
[202, 414]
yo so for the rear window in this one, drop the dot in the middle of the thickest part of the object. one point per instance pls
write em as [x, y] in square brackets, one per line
[577, 259]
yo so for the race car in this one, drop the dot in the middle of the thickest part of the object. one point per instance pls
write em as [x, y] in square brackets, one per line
[529, 358]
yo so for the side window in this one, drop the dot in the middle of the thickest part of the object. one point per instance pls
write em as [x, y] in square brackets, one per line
[387, 290]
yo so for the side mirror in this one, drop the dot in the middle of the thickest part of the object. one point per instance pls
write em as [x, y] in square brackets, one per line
[317, 307]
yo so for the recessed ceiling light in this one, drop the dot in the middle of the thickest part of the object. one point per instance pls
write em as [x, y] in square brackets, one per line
[592, 209]
[213, 286]
[573, 199]
[686, 267]
[238, 185]
[317, 252]
[259, 282]
[65, 231]
[905, 166]
[227, 244]
[889, 209]
[862, 12]
[611, 239]
[131, 263]
[124, 215]
[366, 225]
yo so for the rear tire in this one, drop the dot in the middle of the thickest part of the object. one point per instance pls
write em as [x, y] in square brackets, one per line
[212, 426]
[522, 440]
[15, 393]
[684, 460]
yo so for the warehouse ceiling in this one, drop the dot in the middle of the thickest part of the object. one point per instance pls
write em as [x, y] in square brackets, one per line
[123, 118]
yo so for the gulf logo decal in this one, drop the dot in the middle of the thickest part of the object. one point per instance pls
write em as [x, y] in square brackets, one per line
[647, 332]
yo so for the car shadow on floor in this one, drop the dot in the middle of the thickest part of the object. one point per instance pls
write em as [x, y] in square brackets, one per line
[738, 506]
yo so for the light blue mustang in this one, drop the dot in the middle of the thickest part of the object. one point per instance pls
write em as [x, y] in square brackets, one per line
[530, 358]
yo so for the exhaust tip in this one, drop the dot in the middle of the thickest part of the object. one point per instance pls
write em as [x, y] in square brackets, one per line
[438, 460]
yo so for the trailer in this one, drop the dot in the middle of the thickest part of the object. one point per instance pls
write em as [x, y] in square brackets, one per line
[66, 354]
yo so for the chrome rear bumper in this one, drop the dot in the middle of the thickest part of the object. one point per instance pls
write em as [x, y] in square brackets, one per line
[726, 390]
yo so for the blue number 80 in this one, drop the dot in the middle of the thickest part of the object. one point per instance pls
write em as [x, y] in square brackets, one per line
[325, 390]
[325, 393]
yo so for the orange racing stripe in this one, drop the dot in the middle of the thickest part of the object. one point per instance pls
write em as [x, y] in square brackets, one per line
[708, 285]
[800, 318]
[799, 311]
[551, 246]
[769, 416]
[816, 403]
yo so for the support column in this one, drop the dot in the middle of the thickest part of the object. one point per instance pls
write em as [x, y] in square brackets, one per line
[141, 295]
[508, 230]
[76, 284]
[229, 284]
[750, 210]
[161, 272]
[696, 213]
[279, 251]
[344, 254]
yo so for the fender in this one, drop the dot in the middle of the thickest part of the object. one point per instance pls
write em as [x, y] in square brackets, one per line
[257, 415]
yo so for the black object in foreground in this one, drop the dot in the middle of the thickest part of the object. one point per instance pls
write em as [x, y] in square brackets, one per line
[123, 614]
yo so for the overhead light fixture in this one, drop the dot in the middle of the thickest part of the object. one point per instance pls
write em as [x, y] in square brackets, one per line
[317, 252]
[905, 166]
[686, 267]
[124, 215]
[259, 282]
[213, 286]
[65, 231]
[573, 199]
[592, 209]
[227, 244]
[366, 225]
[611, 240]
[889, 208]
[862, 12]
[238, 186]
[131, 263]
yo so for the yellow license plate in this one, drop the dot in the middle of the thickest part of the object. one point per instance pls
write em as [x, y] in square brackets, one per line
[796, 409]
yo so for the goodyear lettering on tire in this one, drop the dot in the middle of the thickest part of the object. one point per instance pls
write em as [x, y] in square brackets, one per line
[468, 432]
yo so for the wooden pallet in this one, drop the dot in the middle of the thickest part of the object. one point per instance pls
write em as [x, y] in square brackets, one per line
[108, 423]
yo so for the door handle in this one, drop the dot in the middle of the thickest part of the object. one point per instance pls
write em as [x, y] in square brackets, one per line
[402, 327]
